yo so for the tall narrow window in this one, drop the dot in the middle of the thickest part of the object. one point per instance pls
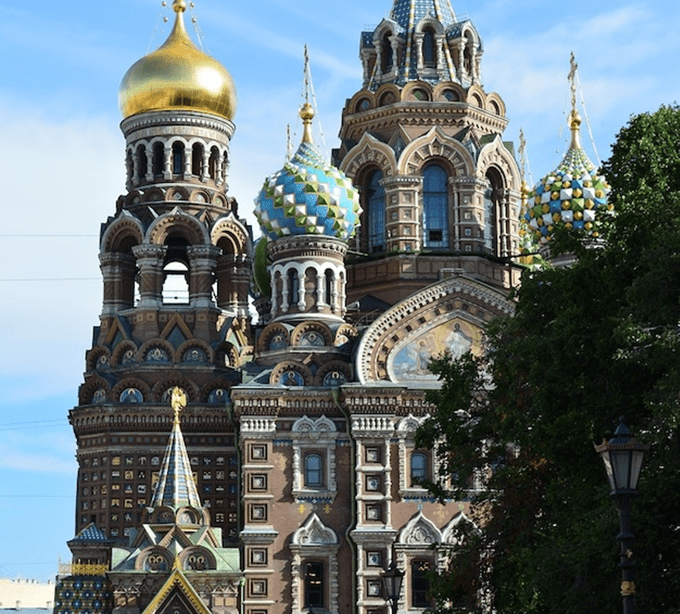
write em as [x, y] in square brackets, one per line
[429, 54]
[387, 58]
[329, 278]
[158, 159]
[197, 160]
[293, 287]
[418, 467]
[314, 590]
[213, 162]
[313, 470]
[420, 584]
[491, 197]
[177, 158]
[435, 208]
[142, 163]
[375, 198]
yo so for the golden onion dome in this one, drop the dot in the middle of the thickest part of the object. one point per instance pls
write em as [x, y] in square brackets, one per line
[178, 76]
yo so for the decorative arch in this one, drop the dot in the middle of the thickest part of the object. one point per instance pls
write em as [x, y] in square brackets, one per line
[169, 382]
[88, 390]
[369, 150]
[355, 103]
[420, 531]
[184, 354]
[143, 354]
[430, 315]
[124, 353]
[154, 559]
[131, 383]
[436, 144]
[408, 92]
[230, 235]
[276, 333]
[313, 425]
[122, 233]
[333, 374]
[448, 91]
[177, 223]
[314, 533]
[197, 558]
[302, 334]
[291, 373]
[495, 104]
[449, 531]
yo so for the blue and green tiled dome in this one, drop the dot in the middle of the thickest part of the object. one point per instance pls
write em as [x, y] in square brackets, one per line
[308, 196]
[573, 195]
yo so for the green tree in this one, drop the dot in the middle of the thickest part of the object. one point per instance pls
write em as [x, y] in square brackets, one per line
[585, 345]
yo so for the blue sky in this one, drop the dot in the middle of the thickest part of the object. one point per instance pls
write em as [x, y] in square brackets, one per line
[62, 167]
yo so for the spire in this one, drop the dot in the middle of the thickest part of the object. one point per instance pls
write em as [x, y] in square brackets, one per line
[175, 487]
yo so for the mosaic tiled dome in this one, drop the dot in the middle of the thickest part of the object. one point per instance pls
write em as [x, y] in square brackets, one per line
[308, 196]
[573, 195]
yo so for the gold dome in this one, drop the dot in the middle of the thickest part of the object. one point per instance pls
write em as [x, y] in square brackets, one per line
[177, 76]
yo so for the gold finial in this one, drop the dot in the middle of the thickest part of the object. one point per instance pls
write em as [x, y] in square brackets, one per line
[307, 114]
[179, 6]
[178, 402]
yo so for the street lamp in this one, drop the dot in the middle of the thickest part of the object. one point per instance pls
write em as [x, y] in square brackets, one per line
[392, 580]
[622, 458]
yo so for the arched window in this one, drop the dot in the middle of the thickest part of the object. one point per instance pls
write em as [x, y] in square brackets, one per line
[142, 163]
[158, 159]
[429, 53]
[418, 467]
[435, 208]
[213, 162]
[491, 198]
[293, 287]
[175, 283]
[375, 207]
[197, 160]
[387, 59]
[328, 296]
[177, 158]
[313, 470]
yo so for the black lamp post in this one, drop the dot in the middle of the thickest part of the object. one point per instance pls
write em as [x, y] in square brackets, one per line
[622, 458]
[392, 581]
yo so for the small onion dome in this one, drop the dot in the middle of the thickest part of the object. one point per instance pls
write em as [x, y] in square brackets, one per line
[177, 76]
[308, 196]
[573, 195]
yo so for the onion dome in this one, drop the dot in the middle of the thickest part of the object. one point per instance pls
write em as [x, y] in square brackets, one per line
[308, 196]
[573, 195]
[178, 76]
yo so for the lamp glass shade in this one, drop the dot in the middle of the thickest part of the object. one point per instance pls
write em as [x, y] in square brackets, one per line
[392, 580]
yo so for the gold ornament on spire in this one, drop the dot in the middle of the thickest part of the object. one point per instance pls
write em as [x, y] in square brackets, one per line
[178, 76]
[178, 402]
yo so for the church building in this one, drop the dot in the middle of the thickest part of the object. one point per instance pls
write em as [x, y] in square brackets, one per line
[286, 480]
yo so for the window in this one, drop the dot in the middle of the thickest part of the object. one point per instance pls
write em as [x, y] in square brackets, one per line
[420, 584]
[197, 160]
[142, 163]
[435, 208]
[158, 159]
[313, 470]
[387, 58]
[491, 197]
[314, 585]
[418, 467]
[293, 287]
[329, 278]
[176, 283]
[375, 207]
[177, 158]
[429, 55]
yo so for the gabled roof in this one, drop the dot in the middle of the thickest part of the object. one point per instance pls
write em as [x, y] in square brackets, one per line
[177, 583]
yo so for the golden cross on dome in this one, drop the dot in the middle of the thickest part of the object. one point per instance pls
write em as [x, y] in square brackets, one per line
[572, 79]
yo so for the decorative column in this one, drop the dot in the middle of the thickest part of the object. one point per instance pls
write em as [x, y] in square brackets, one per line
[203, 261]
[150, 264]
[167, 162]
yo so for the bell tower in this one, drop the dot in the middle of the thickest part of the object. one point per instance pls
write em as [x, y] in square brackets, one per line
[175, 261]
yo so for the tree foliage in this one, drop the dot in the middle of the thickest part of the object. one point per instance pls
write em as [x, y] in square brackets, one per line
[586, 344]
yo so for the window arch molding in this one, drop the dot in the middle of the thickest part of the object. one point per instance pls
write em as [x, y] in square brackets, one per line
[314, 436]
[314, 542]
